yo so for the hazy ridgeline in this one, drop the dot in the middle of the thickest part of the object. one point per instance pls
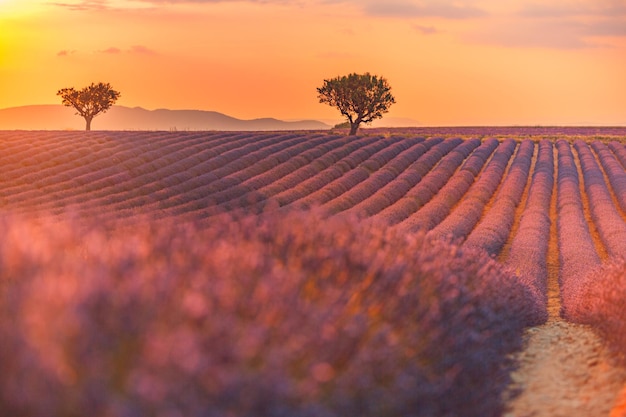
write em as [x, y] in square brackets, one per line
[246, 274]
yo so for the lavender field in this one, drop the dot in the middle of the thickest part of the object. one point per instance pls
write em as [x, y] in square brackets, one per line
[297, 274]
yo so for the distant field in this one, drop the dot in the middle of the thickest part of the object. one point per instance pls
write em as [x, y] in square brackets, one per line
[543, 207]
[476, 190]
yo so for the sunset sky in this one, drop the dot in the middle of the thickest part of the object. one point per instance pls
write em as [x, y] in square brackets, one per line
[466, 62]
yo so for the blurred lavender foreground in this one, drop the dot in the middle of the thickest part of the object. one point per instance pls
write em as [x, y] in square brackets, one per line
[255, 316]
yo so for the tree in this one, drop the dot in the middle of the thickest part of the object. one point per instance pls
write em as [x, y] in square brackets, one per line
[360, 97]
[90, 101]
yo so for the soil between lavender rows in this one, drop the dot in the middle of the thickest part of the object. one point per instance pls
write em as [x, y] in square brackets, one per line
[566, 369]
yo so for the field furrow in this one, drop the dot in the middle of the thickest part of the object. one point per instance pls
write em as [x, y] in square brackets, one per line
[437, 209]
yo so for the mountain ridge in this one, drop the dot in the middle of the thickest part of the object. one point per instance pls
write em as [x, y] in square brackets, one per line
[59, 117]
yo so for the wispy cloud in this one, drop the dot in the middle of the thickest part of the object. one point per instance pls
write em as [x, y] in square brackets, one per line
[140, 49]
[65, 52]
[614, 27]
[411, 9]
[426, 30]
[570, 8]
[447, 9]
[103, 5]
[559, 24]
[547, 33]
[83, 5]
[114, 50]
[135, 49]
[111, 50]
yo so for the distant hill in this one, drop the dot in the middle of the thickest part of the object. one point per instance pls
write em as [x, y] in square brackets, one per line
[58, 117]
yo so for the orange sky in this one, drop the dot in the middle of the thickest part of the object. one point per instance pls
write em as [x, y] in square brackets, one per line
[465, 62]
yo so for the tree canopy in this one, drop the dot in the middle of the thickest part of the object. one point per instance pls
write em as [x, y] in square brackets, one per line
[361, 98]
[90, 101]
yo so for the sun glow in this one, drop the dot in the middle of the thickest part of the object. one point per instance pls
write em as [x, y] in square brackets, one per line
[9, 8]
[6, 3]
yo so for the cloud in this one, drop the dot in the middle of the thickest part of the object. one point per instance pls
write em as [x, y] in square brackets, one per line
[140, 49]
[569, 8]
[559, 24]
[412, 9]
[83, 5]
[543, 33]
[220, 1]
[135, 49]
[65, 52]
[606, 27]
[104, 5]
[448, 9]
[111, 50]
[426, 30]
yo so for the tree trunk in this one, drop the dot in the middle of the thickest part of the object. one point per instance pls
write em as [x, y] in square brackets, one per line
[353, 128]
[88, 121]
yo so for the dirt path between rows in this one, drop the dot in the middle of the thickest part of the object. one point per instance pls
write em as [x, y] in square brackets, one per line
[565, 369]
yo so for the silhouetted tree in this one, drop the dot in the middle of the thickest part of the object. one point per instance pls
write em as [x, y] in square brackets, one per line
[360, 97]
[90, 101]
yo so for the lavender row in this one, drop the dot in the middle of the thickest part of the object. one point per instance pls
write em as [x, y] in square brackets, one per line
[149, 180]
[348, 150]
[214, 180]
[430, 185]
[125, 168]
[256, 198]
[408, 179]
[78, 155]
[605, 215]
[101, 168]
[251, 177]
[619, 151]
[493, 230]
[468, 212]
[511, 131]
[382, 173]
[317, 156]
[614, 171]
[604, 294]
[354, 176]
[578, 257]
[251, 192]
[440, 205]
[604, 306]
[306, 181]
[528, 253]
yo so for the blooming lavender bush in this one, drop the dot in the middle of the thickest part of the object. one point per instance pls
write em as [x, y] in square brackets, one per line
[430, 183]
[437, 208]
[605, 214]
[257, 316]
[495, 226]
[528, 255]
[604, 306]
[577, 253]
[469, 210]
